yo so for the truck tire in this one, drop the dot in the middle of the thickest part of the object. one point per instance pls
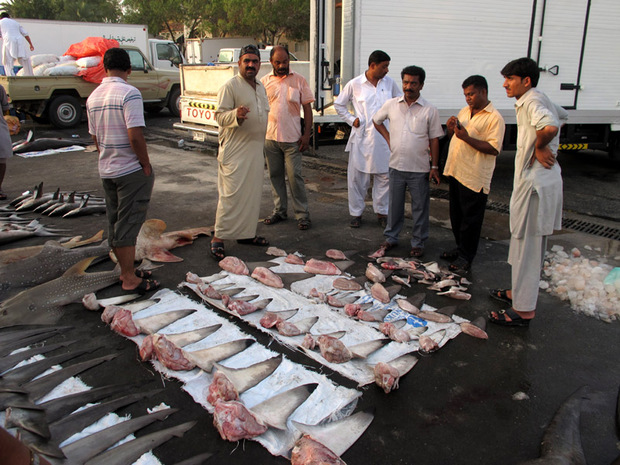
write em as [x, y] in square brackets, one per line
[65, 111]
[153, 109]
[174, 102]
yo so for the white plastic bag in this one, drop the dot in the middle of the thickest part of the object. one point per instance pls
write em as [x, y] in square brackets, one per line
[88, 62]
[40, 70]
[36, 60]
[64, 69]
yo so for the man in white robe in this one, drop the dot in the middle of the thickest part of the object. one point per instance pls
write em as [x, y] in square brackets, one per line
[242, 110]
[369, 153]
[14, 38]
[536, 202]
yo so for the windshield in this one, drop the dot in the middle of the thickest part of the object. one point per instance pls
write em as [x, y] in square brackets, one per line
[226, 55]
[169, 52]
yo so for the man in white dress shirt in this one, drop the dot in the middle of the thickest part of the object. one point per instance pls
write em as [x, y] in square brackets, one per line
[369, 154]
[14, 38]
[413, 138]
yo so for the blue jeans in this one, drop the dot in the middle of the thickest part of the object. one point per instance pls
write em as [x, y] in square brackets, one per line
[420, 206]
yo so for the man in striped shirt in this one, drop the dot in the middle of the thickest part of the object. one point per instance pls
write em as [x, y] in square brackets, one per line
[115, 121]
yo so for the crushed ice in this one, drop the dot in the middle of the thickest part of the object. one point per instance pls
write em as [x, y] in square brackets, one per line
[591, 286]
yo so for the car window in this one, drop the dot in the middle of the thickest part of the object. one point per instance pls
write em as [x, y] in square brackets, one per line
[137, 60]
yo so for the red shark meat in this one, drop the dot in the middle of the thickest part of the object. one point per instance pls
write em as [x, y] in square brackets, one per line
[321, 267]
[267, 277]
[386, 377]
[221, 389]
[345, 284]
[380, 293]
[269, 320]
[294, 259]
[352, 309]
[240, 306]
[335, 254]
[307, 451]
[122, 323]
[333, 350]
[287, 329]
[235, 422]
[395, 334]
[171, 356]
[234, 265]
[309, 342]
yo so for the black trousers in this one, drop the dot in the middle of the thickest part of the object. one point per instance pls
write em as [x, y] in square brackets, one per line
[466, 216]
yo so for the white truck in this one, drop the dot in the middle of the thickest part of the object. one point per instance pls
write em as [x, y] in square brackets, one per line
[208, 50]
[200, 83]
[575, 42]
[55, 37]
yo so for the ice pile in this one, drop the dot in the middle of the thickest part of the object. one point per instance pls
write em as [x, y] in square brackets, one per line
[591, 286]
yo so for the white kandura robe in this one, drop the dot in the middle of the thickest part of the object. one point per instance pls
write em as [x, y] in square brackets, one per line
[240, 158]
[536, 202]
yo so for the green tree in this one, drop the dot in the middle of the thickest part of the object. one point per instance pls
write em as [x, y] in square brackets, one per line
[167, 15]
[67, 10]
[267, 20]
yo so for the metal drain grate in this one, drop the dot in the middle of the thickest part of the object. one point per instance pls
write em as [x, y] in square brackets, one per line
[567, 223]
[591, 228]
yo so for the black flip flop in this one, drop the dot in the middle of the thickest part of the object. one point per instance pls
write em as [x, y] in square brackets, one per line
[515, 319]
[143, 274]
[146, 285]
[217, 250]
[256, 240]
[501, 295]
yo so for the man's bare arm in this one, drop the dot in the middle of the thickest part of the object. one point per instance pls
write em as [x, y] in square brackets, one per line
[542, 152]
[383, 131]
[138, 145]
[304, 141]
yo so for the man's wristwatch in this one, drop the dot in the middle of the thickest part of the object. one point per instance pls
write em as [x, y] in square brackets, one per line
[434, 167]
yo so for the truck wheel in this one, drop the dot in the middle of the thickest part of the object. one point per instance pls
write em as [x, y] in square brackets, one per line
[65, 111]
[174, 102]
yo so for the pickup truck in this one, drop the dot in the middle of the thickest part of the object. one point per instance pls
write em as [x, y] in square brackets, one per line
[61, 99]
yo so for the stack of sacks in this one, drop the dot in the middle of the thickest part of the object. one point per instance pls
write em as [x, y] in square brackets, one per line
[66, 65]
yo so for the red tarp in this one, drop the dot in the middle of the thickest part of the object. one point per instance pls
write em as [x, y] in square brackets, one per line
[92, 46]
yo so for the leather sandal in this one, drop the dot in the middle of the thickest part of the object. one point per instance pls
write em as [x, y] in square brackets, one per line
[501, 295]
[502, 318]
[217, 250]
[256, 240]
[274, 218]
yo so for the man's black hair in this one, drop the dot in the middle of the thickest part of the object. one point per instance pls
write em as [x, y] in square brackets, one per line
[251, 49]
[276, 48]
[414, 71]
[523, 67]
[479, 82]
[378, 56]
[116, 59]
[4, 14]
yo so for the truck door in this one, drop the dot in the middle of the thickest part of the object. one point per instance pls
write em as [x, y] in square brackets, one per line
[144, 77]
[561, 28]
[322, 52]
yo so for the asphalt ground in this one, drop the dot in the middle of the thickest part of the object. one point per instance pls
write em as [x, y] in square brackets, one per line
[474, 401]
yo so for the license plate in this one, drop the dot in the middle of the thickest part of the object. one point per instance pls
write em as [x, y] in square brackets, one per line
[198, 136]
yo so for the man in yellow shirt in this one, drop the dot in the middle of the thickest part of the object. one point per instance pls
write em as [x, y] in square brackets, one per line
[478, 135]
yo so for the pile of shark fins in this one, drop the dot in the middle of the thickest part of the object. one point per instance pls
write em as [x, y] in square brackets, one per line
[44, 425]
[58, 203]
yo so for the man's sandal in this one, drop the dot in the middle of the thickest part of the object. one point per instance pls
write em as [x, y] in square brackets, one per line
[501, 295]
[146, 285]
[256, 240]
[303, 224]
[143, 274]
[217, 250]
[274, 218]
[450, 255]
[508, 317]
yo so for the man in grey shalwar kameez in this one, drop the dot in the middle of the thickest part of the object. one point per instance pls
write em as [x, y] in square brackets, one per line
[241, 114]
[536, 202]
